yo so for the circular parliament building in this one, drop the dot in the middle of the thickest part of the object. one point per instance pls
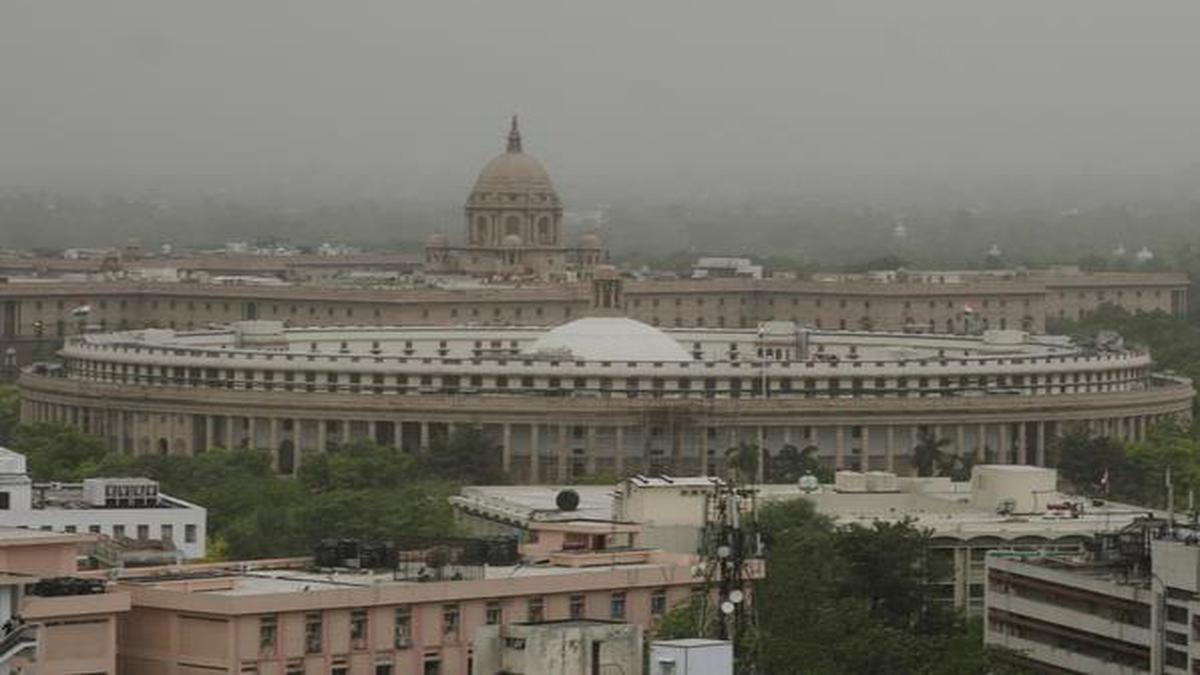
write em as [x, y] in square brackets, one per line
[600, 394]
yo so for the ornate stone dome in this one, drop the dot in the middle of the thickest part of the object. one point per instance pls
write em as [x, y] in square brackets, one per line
[514, 174]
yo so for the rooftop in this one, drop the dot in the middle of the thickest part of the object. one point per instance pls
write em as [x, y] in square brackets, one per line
[229, 582]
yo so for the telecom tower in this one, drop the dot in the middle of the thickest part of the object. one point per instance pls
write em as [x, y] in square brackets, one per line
[730, 544]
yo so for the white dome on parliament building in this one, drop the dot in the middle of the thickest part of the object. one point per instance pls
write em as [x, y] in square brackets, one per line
[611, 339]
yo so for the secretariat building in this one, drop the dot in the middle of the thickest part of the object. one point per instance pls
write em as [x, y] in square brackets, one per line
[576, 370]
[514, 226]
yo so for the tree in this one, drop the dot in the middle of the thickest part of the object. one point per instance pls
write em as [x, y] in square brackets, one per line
[928, 456]
[10, 408]
[742, 462]
[467, 455]
[57, 452]
[856, 599]
[359, 465]
[791, 463]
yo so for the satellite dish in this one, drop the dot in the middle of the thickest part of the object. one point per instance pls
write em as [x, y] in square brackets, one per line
[736, 596]
[723, 551]
[567, 500]
[727, 607]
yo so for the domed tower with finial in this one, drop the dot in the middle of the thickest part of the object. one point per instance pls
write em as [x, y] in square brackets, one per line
[514, 225]
[513, 195]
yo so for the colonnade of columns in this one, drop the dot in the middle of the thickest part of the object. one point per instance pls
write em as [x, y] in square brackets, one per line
[550, 451]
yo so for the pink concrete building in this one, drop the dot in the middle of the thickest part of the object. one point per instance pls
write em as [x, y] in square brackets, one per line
[287, 618]
[51, 625]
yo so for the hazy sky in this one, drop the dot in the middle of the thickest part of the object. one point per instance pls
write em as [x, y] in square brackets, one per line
[410, 98]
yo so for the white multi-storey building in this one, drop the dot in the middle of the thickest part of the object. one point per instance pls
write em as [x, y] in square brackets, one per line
[117, 508]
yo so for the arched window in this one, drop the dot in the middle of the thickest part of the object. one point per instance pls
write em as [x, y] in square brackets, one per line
[543, 230]
[512, 225]
[162, 447]
[481, 229]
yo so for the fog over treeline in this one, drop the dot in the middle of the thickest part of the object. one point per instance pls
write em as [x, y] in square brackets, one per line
[794, 128]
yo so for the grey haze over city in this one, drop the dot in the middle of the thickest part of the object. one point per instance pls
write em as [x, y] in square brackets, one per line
[903, 109]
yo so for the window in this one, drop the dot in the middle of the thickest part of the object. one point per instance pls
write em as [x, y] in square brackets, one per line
[535, 610]
[312, 632]
[383, 669]
[339, 670]
[450, 620]
[94, 529]
[578, 606]
[4, 501]
[268, 632]
[618, 605]
[658, 602]
[403, 631]
[494, 614]
[189, 534]
[143, 532]
[118, 530]
[168, 532]
[358, 629]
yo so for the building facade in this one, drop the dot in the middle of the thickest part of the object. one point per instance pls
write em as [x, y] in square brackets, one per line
[289, 618]
[113, 508]
[514, 226]
[1132, 605]
[52, 626]
[607, 395]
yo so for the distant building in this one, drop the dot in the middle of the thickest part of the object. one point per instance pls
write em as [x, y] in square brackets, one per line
[1003, 508]
[1131, 605]
[51, 621]
[423, 614]
[726, 268]
[571, 647]
[514, 226]
[134, 521]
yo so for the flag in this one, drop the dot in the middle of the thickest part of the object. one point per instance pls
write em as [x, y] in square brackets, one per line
[1104, 481]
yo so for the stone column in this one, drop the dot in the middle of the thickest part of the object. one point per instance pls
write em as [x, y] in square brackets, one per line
[1022, 448]
[1005, 447]
[209, 430]
[981, 451]
[866, 448]
[761, 474]
[535, 458]
[839, 448]
[619, 450]
[1041, 444]
[322, 435]
[961, 440]
[229, 432]
[564, 455]
[424, 439]
[345, 426]
[590, 449]
[703, 450]
[273, 437]
[372, 431]
[506, 448]
[297, 444]
[891, 447]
